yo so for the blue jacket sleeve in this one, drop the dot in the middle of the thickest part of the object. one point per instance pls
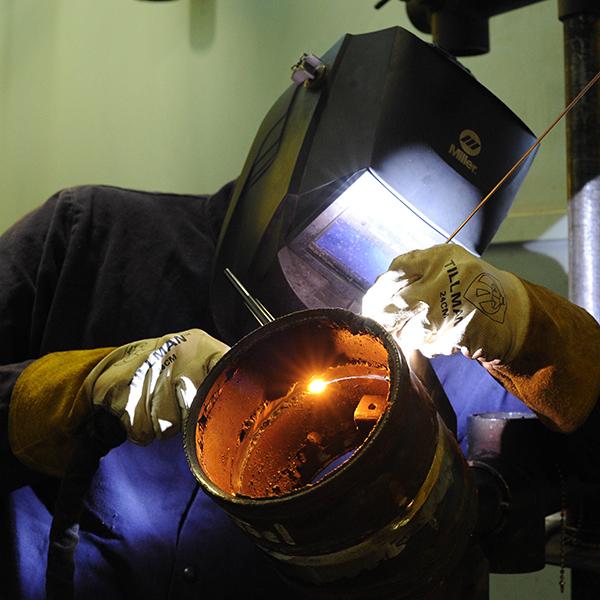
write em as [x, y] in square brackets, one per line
[22, 249]
[472, 390]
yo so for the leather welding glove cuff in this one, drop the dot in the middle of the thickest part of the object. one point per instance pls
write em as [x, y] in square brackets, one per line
[557, 372]
[148, 385]
[48, 408]
[537, 344]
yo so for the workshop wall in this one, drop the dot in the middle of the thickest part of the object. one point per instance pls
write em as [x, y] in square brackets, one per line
[168, 96]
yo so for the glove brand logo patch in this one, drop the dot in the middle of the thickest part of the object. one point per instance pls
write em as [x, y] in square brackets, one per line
[486, 294]
[470, 142]
[470, 146]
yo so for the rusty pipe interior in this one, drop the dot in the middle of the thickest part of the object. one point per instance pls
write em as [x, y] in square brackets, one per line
[290, 414]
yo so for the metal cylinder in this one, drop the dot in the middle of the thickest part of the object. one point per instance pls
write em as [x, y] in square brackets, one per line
[346, 504]
[581, 23]
[459, 26]
[506, 453]
[582, 61]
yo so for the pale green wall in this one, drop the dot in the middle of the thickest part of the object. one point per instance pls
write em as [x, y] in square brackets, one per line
[168, 95]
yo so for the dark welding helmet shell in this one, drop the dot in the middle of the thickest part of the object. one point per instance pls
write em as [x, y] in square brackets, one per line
[389, 111]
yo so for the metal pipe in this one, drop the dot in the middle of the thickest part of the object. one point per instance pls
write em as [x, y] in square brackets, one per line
[581, 25]
[385, 511]
[459, 26]
[581, 21]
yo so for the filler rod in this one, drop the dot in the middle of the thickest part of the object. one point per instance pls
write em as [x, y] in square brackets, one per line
[255, 306]
[527, 153]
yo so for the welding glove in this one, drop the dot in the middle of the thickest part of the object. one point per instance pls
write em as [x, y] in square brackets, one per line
[537, 344]
[149, 385]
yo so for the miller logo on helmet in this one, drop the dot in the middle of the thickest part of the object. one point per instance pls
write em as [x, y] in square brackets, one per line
[470, 142]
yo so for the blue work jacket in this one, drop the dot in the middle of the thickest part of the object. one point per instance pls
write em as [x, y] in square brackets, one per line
[102, 266]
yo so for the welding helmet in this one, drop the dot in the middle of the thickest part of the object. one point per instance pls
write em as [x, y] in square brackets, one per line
[382, 145]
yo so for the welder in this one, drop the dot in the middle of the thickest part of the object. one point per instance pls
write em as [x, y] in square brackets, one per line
[112, 299]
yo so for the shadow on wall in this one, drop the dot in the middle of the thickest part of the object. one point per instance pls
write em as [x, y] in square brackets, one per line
[202, 23]
[544, 262]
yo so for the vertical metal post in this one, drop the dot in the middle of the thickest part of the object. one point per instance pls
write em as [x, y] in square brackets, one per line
[581, 22]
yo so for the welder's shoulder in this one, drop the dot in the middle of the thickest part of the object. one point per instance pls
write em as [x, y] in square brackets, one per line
[87, 204]
[107, 200]
[105, 206]
[90, 214]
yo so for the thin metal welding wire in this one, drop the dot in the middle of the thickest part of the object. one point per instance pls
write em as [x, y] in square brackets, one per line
[527, 153]
[264, 310]
[256, 307]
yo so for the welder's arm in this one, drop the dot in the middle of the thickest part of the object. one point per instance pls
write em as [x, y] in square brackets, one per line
[149, 385]
[540, 346]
